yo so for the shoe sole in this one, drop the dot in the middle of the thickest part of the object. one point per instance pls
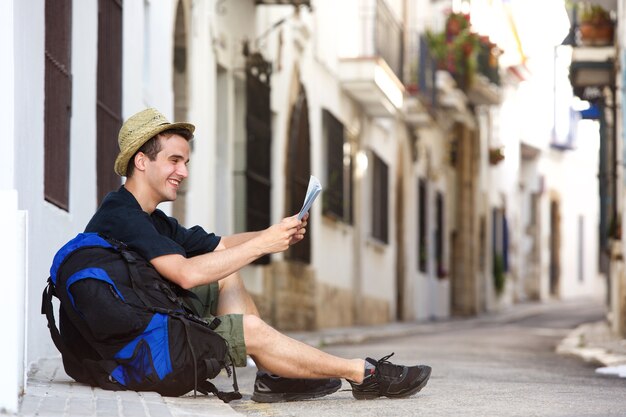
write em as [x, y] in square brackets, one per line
[262, 397]
[374, 395]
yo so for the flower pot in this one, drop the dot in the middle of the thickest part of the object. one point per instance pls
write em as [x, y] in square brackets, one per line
[596, 34]
[495, 155]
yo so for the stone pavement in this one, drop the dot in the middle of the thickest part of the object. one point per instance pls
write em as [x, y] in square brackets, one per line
[51, 393]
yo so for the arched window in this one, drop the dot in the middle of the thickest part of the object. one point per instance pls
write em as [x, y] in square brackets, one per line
[258, 145]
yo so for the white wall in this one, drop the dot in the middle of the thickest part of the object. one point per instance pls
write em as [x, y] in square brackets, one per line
[12, 350]
[574, 176]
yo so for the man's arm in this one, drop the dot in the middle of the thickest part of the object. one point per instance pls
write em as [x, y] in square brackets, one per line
[239, 238]
[224, 261]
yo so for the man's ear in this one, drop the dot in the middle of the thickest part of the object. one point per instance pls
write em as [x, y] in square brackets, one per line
[140, 161]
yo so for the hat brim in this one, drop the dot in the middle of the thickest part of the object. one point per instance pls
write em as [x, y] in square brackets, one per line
[121, 162]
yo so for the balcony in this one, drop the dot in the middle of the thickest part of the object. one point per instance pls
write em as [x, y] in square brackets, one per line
[591, 37]
[471, 59]
[373, 84]
[373, 78]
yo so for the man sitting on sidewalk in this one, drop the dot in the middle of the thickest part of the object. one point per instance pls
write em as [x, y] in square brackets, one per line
[153, 156]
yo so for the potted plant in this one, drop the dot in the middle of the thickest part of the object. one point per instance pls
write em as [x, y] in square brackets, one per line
[495, 155]
[595, 25]
[456, 49]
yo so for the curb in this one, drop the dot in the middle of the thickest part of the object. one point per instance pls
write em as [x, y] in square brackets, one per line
[593, 343]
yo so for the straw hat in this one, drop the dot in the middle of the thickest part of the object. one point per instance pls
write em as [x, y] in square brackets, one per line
[137, 130]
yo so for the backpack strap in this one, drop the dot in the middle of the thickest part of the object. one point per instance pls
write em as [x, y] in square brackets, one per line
[47, 309]
[207, 386]
[133, 273]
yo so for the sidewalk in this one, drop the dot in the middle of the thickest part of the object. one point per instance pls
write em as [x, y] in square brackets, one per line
[51, 393]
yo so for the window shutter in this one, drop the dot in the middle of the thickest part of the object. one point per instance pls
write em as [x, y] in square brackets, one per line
[57, 102]
[333, 189]
[109, 94]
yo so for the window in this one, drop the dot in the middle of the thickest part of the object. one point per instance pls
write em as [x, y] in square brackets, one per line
[109, 91]
[500, 248]
[338, 188]
[380, 200]
[57, 102]
[422, 233]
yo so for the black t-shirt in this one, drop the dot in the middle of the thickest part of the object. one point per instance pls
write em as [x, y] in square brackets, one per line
[151, 235]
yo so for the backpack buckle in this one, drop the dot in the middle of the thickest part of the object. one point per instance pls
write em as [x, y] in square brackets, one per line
[128, 257]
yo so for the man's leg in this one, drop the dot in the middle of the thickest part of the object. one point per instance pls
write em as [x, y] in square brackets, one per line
[272, 350]
[290, 358]
[369, 378]
[234, 299]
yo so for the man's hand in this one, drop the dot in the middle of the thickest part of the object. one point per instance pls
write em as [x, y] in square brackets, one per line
[299, 235]
[279, 237]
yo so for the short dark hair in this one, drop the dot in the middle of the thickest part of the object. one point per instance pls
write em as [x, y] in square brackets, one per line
[153, 146]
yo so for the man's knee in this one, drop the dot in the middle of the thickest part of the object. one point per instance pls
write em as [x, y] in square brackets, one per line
[256, 332]
[231, 282]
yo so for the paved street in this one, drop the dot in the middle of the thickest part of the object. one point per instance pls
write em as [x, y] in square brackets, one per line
[495, 365]
[503, 367]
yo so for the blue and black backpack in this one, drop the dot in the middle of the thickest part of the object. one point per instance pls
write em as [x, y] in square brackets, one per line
[124, 327]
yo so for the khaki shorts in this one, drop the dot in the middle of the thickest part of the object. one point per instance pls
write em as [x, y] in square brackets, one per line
[231, 326]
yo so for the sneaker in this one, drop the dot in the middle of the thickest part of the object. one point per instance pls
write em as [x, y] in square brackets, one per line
[389, 380]
[273, 388]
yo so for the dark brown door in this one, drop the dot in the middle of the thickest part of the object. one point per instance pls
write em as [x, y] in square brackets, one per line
[299, 171]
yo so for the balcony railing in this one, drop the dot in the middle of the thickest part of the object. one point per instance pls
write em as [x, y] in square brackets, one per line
[373, 76]
[384, 35]
[426, 74]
